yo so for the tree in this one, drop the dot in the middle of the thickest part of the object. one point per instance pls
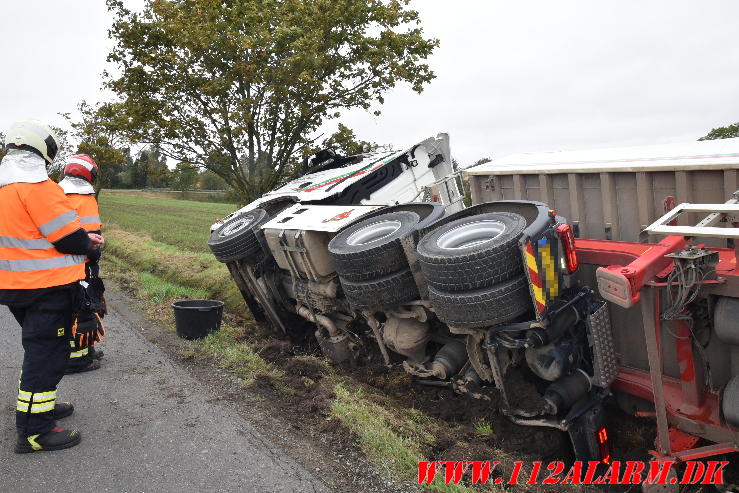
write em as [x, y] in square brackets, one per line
[149, 169]
[722, 132]
[106, 146]
[346, 142]
[65, 150]
[211, 181]
[239, 86]
[157, 172]
[184, 176]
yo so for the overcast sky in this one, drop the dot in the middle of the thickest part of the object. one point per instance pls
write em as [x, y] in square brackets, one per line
[511, 75]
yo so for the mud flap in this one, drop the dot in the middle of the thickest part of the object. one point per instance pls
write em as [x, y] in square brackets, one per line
[589, 436]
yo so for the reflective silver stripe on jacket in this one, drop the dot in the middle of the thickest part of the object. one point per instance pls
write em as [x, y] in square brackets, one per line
[89, 219]
[57, 223]
[42, 264]
[28, 244]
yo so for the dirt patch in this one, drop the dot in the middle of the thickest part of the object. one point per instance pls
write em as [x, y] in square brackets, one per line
[305, 366]
[276, 351]
[522, 393]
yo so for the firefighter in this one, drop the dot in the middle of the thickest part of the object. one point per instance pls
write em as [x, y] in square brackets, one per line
[79, 175]
[43, 248]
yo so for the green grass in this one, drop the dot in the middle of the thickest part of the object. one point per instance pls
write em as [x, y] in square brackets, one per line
[160, 291]
[199, 272]
[484, 428]
[180, 223]
[393, 439]
[227, 348]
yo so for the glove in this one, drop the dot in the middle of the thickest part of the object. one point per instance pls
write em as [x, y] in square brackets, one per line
[99, 334]
[84, 330]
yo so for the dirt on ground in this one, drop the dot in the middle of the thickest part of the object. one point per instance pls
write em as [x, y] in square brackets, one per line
[303, 413]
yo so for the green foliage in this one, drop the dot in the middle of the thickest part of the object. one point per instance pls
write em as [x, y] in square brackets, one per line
[184, 176]
[207, 180]
[238, 86]
[726, 132]
[65, 150]
[150, 170]
[345, 141]
[106, 146]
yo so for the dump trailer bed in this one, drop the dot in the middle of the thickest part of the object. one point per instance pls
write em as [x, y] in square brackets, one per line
[613, 194]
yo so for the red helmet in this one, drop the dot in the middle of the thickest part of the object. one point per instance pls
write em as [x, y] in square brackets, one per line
[82, 166]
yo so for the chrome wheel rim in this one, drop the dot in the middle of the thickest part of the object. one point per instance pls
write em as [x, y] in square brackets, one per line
[373, 232]
[470, 235]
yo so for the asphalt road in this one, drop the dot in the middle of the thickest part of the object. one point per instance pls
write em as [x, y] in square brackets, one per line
[146, 426]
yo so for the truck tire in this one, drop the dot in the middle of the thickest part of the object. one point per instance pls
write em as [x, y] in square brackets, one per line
[483, 307]
[473, 252]
[236, 239]
[371, 249]
[392, 290]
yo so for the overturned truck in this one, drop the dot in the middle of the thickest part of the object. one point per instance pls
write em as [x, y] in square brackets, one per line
[376, 257]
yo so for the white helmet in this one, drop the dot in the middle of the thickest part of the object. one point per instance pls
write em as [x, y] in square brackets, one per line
[34, 136]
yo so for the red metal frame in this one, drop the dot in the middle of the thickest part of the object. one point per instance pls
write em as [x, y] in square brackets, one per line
[684, 407]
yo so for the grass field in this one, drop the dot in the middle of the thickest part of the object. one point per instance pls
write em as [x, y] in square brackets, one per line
[180, 223]
[158, 249]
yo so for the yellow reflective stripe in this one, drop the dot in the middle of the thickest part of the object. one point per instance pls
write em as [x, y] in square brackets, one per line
[36, 408]
[548, 264]
[80, 353]
[37, 396]
[34, 444]
[35, 400]
[531, 262]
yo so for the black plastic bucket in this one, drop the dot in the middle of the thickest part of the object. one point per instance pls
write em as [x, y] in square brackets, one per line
[197, 318]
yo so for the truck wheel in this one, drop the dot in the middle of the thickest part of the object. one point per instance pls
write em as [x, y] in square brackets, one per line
[388, 291]
[473, 252]
[482, 307]
[371, 249]
[236, 239]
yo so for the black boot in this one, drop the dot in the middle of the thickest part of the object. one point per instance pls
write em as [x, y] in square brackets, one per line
[92, 365]
[55, 439]
[62, 410]
[96, 353]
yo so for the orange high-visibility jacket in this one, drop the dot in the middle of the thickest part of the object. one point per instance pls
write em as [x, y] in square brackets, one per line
[87, 209]
[34, 215]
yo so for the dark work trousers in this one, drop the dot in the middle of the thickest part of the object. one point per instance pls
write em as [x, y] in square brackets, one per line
[46, 332]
